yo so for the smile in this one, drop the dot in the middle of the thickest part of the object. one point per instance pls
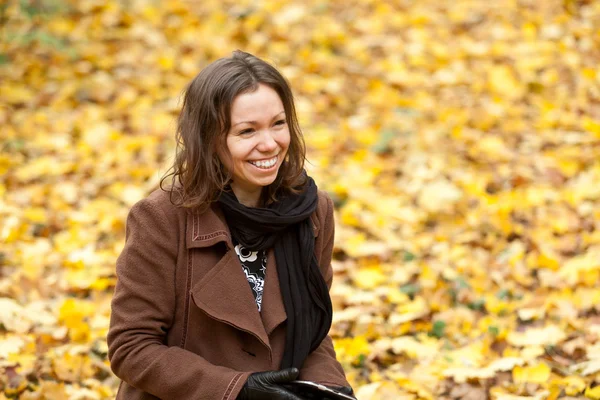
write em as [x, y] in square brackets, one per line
[266, 164]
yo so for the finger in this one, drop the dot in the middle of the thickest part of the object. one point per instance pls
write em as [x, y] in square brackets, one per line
[285, 375]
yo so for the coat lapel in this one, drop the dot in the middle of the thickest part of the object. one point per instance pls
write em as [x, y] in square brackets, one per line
[224, 293]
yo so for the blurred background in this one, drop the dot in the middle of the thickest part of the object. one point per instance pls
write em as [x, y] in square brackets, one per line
[459, 139]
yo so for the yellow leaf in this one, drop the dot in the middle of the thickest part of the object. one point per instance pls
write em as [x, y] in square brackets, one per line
[493, 148]
[529, 30]
[549, 335]
[439, 195]
[593, 393]
[26, 362]
[73, 367]
[409, 311]
[36, 215]
[591, 126]
[415, 349]
[15, 94]
[506, 363]
[53, 390]
[11, 345]
[503, 82]
[574, 270]
[382, 391]
[74, 314]
[574, 385]
[349, 213]
[166, 62]
[369, 278]
[547, 259]
[539, 373]
[13, 316]
[350, 348]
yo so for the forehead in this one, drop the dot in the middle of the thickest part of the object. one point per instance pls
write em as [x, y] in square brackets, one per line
[264, 102]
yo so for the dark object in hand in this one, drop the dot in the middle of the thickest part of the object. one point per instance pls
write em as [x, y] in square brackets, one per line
[267, 386]
[314, 391]
[343, 389]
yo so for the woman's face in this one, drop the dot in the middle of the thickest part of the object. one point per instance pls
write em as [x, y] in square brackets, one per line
[257, 141]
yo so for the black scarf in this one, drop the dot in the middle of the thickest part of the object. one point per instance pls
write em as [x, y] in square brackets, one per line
[286, 226]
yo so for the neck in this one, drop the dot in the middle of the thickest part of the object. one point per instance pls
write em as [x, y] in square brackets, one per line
[247, 198]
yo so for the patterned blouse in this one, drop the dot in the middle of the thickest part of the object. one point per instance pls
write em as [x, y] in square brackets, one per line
[254, 265]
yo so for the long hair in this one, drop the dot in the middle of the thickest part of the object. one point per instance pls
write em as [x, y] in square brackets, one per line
[197, 174]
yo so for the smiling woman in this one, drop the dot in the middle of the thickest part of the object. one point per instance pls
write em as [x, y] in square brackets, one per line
[231, 100]
[223, 283]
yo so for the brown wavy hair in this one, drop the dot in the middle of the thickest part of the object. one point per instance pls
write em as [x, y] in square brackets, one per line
[197, 174]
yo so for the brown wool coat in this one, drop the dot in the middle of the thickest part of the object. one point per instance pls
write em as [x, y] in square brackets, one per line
[184, 323]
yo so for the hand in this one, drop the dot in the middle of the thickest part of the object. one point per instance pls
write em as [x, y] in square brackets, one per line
[265, 385]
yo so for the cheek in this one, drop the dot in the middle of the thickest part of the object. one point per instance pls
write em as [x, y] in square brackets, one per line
[239, 151]
[286, 139]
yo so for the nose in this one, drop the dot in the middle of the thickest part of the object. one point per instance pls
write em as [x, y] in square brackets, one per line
[267, 142]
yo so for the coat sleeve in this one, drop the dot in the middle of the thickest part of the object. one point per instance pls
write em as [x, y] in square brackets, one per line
[321, 365]
[143, 310]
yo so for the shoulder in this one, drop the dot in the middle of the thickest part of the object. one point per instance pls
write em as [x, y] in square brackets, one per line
[158, 205]
[160, 198]
[323, 216]
[325, 203]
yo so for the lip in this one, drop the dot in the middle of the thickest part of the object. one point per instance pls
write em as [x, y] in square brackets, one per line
[265, 159]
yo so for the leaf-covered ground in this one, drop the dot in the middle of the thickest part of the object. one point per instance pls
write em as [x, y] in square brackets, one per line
[459, 139]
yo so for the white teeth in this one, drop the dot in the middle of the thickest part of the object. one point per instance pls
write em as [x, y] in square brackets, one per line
[265, 164]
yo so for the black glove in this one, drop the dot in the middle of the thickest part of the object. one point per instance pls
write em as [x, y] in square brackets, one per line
[265, 385]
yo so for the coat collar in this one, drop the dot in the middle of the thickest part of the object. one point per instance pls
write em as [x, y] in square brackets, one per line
[209, 228]
[238, 308]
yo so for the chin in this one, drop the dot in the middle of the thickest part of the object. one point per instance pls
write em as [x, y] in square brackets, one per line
[265, 183]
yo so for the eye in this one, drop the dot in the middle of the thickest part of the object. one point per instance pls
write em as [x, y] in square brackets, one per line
[246, 131]
[280, 122]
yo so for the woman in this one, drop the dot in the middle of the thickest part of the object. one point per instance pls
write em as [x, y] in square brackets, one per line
[223, 282]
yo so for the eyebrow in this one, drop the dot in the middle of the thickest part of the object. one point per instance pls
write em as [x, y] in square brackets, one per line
[255, 122]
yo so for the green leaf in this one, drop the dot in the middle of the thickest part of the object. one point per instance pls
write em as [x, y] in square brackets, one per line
[383, 144]
[41, 8]
[30, 9]
[408, 256]
[438, 329]
[477, 305]
[461, 283]
[410, 289]
[359, 362]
